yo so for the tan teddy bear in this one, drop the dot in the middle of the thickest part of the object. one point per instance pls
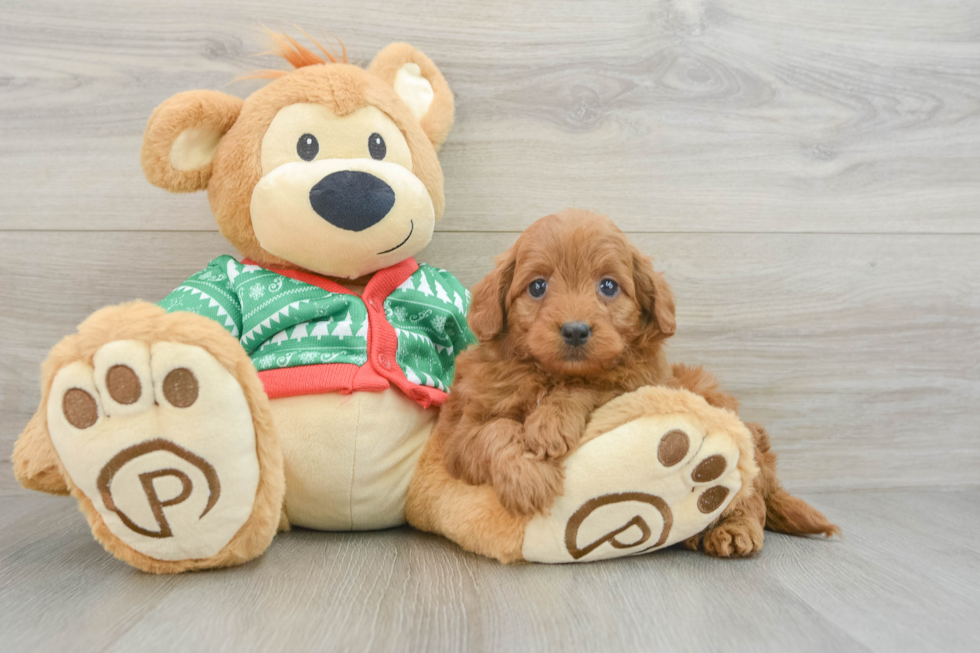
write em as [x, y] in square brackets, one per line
[300, 384]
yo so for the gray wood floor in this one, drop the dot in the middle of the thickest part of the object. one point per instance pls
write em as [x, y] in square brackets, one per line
[806, 173]
[904, 578]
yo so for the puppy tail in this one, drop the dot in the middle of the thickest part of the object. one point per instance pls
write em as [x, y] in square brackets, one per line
[788, 514]
[701, 382]
[784, 512]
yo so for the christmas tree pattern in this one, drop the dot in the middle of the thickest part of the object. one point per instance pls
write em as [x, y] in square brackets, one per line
[282, 322]
[428, 312]
[278, 324]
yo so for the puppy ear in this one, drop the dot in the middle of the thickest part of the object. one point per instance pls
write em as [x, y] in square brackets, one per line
[488, 308]
[654, 294]
[181, 138]
[420, 85]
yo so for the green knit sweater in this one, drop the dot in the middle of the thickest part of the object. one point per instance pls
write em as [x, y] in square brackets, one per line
[286, 320]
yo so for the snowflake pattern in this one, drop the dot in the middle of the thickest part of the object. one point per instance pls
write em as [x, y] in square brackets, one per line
[256, 292]
[266, 361]
[322, 308]
[308, 357]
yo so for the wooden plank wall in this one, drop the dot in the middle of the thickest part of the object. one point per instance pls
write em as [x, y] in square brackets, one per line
[807, 174]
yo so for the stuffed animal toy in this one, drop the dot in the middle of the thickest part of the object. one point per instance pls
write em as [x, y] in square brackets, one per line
[299, 385]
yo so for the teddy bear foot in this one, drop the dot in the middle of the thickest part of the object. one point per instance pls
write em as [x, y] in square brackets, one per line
[168, 447]
[660, 466]
[160, 439]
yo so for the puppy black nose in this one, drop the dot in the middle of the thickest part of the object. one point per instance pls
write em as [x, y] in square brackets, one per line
[352, 200]
[575, 333]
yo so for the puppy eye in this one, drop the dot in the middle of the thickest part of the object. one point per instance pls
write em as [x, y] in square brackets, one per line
[608, 287]
[537, 288]
[307, 147]
[377, 147]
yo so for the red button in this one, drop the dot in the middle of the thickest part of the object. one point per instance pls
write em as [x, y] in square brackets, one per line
[384, 361]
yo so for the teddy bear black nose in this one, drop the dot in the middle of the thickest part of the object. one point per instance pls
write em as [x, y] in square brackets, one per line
[351, 199]
[575, 333]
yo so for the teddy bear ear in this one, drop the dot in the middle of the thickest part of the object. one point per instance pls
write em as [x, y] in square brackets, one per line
[420, 85]
[181, 138]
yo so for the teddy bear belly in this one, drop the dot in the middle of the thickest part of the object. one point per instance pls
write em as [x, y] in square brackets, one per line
[349, 458]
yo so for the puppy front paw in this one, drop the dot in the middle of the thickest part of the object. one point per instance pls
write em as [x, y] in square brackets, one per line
[526, 486]
[469, 451]
[544, 439]
[736, 537]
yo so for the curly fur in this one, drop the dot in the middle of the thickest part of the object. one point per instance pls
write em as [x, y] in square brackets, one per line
[524, 398]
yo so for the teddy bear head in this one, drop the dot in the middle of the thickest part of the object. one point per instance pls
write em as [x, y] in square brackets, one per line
[329, 168]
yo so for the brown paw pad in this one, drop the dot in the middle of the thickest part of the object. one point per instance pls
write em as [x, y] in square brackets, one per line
[80, 408]
[180, 387]
[711, 498]
[123, 384]
[709, 469]
[673, 447]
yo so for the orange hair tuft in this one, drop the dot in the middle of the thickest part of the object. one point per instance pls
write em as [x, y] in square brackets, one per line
[299, 55]
[295, 53]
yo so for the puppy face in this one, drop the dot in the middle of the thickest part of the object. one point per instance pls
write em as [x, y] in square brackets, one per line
[574, 295]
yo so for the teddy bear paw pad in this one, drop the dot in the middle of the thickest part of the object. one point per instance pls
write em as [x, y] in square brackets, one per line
[645, 485]
[160, 439]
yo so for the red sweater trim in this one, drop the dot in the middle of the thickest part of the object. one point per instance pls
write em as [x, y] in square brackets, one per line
[344, 378]
[381, 369]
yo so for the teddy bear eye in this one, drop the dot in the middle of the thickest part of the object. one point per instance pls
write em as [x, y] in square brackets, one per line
[377, 147]
[307, 147]
[537, 288]
[608, 287]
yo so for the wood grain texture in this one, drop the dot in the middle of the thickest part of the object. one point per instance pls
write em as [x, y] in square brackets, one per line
[807, 174]
[899, 580]
[676, 115]
[859, 353]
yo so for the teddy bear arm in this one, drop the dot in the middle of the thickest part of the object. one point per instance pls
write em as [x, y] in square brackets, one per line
[211, 293]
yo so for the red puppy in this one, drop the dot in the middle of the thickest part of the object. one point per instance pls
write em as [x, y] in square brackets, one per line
[571, 317]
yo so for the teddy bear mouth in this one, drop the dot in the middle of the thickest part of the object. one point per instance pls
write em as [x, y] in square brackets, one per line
[411, 229]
